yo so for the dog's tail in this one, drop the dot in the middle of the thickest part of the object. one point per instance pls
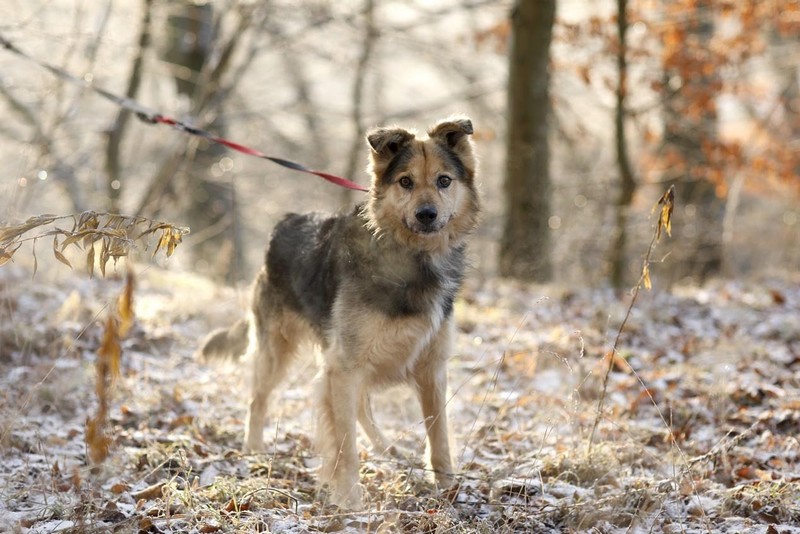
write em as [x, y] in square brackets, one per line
[225, 344]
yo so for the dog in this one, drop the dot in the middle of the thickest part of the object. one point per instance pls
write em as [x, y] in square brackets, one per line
[374, 289]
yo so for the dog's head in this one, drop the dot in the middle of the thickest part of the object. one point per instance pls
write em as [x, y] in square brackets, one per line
[423, 189]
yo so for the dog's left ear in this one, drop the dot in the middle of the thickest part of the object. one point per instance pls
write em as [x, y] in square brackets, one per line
[451, 132]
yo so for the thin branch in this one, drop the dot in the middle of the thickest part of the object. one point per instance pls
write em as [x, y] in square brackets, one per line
[359, 82]
[206, 106]
[117, 131]
[25, 112]
[295, 68]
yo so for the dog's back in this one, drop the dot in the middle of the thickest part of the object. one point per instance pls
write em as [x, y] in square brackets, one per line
[301, 274]
[303, 270]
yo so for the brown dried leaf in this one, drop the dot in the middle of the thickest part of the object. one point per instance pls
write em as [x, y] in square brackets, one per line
[618, 361]
[92, 235]
[234, 506]
[96, 440]
[173, 242]
[777, 297]
[171, 237]
[125, 306]
[74, 238]
[164, 241]
[152, 229]
[182, 420]
[63, 259]
[667, 203]
[114, 221]
[88, 219]
[177, 237]
[119, 488]
[110, 350]
[7, 253]
[10, 233]
[646, 276]
[119, 248]
[115, 232]
[149, 493]
[59, 256]
[104, 256]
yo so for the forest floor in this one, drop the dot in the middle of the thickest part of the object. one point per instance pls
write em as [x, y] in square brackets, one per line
[699, 431]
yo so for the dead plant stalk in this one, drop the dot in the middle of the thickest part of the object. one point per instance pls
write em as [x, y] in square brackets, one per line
[667, 203]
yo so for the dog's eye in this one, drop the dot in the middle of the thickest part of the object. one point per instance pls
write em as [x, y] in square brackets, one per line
[443, 181]
[405, 182]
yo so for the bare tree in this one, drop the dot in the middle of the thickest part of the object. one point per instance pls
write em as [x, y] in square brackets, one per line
[690, 123]
[113, 165]
[525, 245]
[627, 182]
[202, 61]
[57, 155]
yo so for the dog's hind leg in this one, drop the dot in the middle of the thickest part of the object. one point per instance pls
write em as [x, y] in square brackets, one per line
[273, 347]
[430, 378]
[367, 421]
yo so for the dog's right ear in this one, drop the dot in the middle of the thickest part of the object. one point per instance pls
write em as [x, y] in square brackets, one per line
[387, 142]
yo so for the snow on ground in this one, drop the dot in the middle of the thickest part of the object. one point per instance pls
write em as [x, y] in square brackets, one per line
[703, 436]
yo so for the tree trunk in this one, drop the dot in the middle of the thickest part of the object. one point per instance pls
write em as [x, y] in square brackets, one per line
[690, 122]
[113, 164]
[525, 245]
[627, 183]
[209, 202]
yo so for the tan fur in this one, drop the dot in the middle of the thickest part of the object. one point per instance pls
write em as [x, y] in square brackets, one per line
[394, 274]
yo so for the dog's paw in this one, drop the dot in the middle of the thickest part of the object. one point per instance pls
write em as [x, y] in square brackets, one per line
[350, 498]
[444, 481]
[396, 452]
[252, 447]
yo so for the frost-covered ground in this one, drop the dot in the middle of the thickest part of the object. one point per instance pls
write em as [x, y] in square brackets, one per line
[710, 444]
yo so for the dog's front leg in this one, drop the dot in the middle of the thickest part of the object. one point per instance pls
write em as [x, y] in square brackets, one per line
[430, 375]
[339, 397]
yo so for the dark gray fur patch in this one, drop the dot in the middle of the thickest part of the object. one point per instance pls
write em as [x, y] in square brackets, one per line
[403, 286]
[301, 266]
[453, 161]
[312, 261]
[397, 164]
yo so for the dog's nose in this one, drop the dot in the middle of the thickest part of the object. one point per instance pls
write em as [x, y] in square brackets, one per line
[427, 214]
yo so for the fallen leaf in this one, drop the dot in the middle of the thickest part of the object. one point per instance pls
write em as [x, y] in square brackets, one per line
[149, 493]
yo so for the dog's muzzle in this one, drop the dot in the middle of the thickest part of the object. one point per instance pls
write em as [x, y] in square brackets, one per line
[426, 220]
[426, 215]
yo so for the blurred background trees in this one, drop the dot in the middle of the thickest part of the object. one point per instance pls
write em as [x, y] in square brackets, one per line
[635, 95]
[691, 79]
[525, 242]
[200, 55]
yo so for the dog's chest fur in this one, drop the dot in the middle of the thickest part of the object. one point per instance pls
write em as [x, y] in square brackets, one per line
[370, 294]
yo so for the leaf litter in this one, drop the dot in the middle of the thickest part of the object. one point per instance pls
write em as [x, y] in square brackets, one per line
[721, 364]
